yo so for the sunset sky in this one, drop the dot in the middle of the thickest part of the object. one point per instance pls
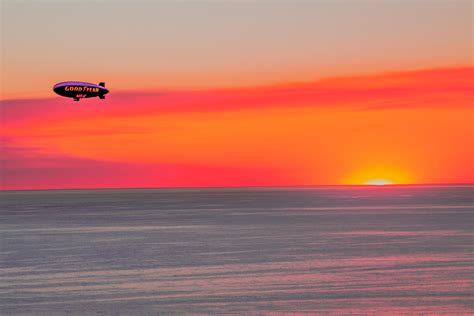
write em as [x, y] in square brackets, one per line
[237, 93]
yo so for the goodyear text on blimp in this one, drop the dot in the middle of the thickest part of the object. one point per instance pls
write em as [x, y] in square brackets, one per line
[81, 89]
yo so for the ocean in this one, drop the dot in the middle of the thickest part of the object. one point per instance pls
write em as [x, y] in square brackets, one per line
[371, 250]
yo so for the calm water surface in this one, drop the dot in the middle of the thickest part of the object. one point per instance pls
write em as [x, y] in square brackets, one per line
[327, 250]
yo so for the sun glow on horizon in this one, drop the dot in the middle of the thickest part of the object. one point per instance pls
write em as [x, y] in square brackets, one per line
[382, 174]
[378, 182]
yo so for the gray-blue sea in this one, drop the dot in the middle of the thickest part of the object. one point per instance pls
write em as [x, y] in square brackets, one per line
[246, 251]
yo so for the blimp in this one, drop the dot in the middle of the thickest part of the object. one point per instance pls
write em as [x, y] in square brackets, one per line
[78, 90]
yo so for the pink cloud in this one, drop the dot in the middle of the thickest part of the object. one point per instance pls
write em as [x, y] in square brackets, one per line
[428, 88]
[31, 168]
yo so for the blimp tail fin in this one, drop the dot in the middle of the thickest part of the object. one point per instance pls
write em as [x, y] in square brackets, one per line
[102, 84]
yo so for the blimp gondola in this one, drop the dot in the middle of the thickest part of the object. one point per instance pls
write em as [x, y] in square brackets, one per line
[78, 90]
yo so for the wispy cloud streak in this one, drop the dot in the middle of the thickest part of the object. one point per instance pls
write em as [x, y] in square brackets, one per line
[425, 88]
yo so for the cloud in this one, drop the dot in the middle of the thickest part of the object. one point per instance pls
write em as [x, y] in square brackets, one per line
[35, 168]
[446, 87]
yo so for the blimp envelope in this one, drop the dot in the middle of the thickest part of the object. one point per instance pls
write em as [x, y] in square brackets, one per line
[78, 90]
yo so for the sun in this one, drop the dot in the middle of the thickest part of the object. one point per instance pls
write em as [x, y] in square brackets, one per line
[378, 182]
[379, 174]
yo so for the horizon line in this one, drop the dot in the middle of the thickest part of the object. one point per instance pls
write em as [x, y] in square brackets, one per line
[249, 187]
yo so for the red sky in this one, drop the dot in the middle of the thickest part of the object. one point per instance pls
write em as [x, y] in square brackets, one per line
[237, 93]
[406, 127]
